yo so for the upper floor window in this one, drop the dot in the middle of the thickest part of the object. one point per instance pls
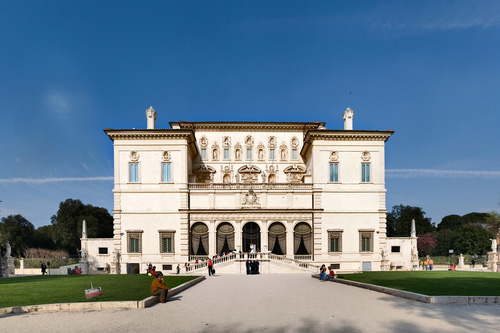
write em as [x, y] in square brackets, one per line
[365, 172]
[294, 154]
[204, 153]
[166, 172]
[271, 153]
[226, 153]
[249, 153]
[134, 172]
[334, 172]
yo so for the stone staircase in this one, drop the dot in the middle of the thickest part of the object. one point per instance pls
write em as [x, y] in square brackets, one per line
[269, 263]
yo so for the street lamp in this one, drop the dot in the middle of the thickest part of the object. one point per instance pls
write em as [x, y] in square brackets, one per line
[451, 253]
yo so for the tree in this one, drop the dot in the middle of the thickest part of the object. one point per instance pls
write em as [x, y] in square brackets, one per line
[445, 241]
[67, 223]
[452, 222]
[426, 244]
[473, 239]
[18, 231]
[43, 238]
[399, 221]
[475, 218]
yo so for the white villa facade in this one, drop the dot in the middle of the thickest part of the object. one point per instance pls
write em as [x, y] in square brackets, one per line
[292, 195]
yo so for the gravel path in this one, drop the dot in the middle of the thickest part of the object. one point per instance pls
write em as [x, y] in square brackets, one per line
[271, 303]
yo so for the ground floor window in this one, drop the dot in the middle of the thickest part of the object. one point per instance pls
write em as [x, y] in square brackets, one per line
[199, 239]
[167, 241]
[134, 241]
[334, 241]
[302, 239]
[366, 241]
[277, 238]
[225, 238]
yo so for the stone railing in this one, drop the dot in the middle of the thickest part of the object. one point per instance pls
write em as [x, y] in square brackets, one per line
[247, 186]
[254, 256]
[310, 267]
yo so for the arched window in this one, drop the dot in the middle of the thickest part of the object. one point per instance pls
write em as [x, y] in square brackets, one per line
[199, 239]
[302, 237]
[225, 238]
[277, 238]
[251, 236]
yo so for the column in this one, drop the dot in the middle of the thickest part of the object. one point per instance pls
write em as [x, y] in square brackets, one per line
[264, 246]
[237, 234]
[289, 239]
[211, 238]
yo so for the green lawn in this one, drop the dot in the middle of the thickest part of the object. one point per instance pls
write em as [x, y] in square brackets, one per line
[434, 283]
[31, 290]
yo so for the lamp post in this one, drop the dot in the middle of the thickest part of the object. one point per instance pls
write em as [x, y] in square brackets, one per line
[451, 253]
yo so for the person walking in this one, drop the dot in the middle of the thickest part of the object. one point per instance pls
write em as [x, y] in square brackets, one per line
[44, 268]
[210, 267]
[431, 264]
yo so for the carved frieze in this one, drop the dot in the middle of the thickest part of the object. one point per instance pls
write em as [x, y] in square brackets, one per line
[166, 156]
[226, 141]
[249, 141]
[365, 156]
[249, 173]
[203, 142]
[294, 142]
[250, 199]
[271, 142]
[295, 173]
[134, 156]
[334, 156]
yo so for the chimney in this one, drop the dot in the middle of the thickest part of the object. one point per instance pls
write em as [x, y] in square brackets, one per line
[151, 114]
[348, 115]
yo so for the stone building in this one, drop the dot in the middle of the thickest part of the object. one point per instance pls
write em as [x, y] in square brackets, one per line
[290, 194]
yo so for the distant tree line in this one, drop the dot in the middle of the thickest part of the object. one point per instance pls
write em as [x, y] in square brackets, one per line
[467, 234]
[63, 233]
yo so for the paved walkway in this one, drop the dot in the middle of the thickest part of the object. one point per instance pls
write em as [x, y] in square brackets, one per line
[270, 303]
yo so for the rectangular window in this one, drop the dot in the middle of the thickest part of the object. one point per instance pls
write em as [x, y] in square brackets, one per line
[226, 154]
[134, 245]
[166, 172]
[271, 154]
[166, 242]
[395, 249]
[334, 172]
[103, 250]
[366, 242]
[134, 172]
[134, 242]
[249, 153]
[334, 241]
[335, 266]
[365, 173]
[294, 154]
[167, 267]
[204, 154]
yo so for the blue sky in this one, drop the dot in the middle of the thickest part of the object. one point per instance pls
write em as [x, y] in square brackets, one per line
[430, 70]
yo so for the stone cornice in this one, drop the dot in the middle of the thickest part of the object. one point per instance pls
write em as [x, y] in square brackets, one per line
[155, 134]
[342, 135]
[243, 125]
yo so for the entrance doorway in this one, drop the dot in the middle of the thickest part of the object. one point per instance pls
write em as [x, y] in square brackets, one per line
[250, 236]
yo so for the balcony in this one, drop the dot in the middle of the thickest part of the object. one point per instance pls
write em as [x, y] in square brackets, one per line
[247, 186]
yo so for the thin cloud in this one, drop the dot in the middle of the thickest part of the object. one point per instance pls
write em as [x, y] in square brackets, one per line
[435, 15]
[52, 180]
[432, 173]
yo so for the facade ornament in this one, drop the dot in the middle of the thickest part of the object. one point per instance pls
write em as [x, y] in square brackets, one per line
[203, 173]
[271, 142]
[494, 245]
[249, 173]
[134, 156]
[295, 173]
[237, 152]
[8, 249]
[334, 156]
[249, 141]
[226, 141]
[250, 199]
[203, 142]
[260, 151]
[263, 174]
[283, 152]
[215, 152]
[365, 156]
[294, 142]
[166, 156]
